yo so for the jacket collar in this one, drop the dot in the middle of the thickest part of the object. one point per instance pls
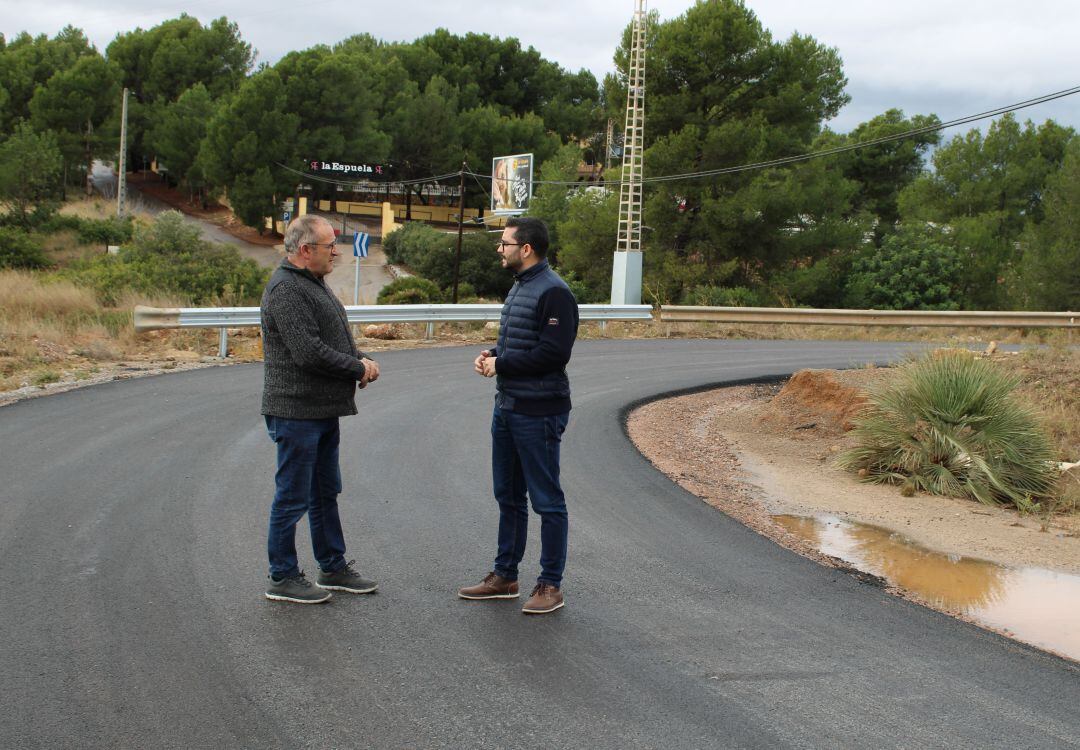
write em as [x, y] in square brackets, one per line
[285, 264]
[532, 272]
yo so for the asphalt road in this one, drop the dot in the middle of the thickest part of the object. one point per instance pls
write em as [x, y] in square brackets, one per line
[132, 520]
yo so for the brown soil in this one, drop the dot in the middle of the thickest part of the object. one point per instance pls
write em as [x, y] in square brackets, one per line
[758, 451]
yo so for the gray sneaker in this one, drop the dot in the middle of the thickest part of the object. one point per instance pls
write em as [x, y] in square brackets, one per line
[346, 579]
[297, 589]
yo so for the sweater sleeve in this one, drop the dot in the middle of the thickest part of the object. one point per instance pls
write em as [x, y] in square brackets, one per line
[558, 315]
[296, 324]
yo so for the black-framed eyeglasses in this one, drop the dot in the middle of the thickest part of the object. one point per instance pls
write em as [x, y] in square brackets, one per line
[504, 243]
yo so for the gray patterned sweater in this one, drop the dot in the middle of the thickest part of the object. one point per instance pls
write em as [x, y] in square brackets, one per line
[310, 362]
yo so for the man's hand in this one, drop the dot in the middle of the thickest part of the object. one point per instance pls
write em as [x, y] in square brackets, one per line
[478, 363]
[371, 371]
[489, 367]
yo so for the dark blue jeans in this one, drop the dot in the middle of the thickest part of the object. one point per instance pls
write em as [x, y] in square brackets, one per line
[308, 480]
[525, 459]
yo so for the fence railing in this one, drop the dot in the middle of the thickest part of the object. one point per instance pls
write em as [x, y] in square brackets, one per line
[802, 316]
[151, 318]
[224, 318]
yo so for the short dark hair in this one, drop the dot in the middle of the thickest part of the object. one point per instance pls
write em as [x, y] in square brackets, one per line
[532, 232]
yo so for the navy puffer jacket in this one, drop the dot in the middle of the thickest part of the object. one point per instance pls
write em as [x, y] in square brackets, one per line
[537, 329]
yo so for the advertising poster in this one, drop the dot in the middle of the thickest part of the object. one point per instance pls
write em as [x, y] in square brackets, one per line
[511, 183]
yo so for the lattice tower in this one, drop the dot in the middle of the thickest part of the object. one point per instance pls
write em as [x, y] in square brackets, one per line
[634, 139]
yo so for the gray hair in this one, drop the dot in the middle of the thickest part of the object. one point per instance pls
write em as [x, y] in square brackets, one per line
[302, 230]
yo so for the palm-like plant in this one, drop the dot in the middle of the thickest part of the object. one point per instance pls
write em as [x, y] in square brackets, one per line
[949, 424]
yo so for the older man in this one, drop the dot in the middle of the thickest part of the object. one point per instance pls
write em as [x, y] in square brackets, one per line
[311, 371]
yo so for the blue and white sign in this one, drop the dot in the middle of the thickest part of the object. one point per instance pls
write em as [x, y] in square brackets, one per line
[360, 244]
[285, 216]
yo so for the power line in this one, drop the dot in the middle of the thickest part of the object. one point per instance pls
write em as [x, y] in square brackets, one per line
[480, 185]
[783, 161]
[832, 151]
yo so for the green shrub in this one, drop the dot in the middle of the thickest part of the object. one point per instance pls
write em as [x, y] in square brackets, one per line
[949, 424]
[410, 243]
[410, 290]
[466, 294]
[722, 296]
[59, 222]
[820, 284]
[432, 254]
[913, 269]
[20, 250]
[582, 292]
[111, 231]
[171, 256]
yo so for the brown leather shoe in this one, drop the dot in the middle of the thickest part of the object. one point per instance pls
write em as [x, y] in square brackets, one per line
[545, 598]
[494, 586]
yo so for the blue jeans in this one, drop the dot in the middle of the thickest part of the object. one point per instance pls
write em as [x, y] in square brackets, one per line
[525, 458]
[308, 480]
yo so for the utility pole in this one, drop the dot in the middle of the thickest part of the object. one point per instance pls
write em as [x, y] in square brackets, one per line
[626, 270]
[121, 177]
[608, 143]
[460, 228]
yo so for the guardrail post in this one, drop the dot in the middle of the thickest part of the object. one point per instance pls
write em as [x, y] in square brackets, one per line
[603, 327]
[223, 343]
[431, 329]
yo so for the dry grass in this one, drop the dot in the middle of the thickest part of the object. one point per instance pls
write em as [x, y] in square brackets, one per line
[89, 208]
[52, 330]
[1050, 379]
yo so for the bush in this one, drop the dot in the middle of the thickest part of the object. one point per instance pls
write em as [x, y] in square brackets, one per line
[820, 284]
[582, 292]
[431, 254]
[20, 250]
[171, 257]
[410, 290]
[722, 296]
[410, 243]
[111, 231]
[950, 425]
[912, 270]
[59, 222]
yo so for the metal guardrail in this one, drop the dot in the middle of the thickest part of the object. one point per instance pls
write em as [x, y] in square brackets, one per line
[802, 316]
[154, 318]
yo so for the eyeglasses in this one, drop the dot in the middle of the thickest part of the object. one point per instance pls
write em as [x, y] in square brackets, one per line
[504, 243]
[328, 245]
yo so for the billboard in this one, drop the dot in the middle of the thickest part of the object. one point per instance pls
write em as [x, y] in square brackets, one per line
[511, 183]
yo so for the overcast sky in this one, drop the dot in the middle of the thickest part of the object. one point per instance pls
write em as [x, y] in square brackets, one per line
[924, 56]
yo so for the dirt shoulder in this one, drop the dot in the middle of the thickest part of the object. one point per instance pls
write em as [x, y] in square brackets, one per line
[755, 452]
[175, 351]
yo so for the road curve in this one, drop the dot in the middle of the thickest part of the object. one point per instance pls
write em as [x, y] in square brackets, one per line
[132, 519]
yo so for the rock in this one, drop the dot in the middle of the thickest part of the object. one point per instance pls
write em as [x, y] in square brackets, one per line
[491, 325]
[385, 331]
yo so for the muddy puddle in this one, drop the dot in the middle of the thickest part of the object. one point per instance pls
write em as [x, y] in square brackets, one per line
[1037, 606]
